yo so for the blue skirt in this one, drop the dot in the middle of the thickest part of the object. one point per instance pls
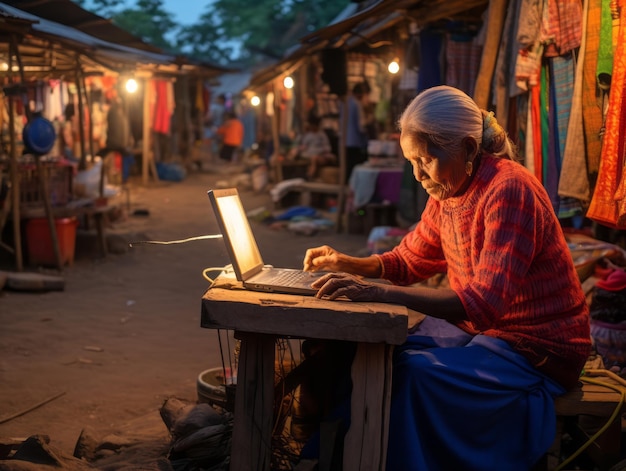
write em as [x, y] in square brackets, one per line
[467, 403]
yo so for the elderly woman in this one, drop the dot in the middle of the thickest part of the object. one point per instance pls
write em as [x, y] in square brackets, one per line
[473, 386]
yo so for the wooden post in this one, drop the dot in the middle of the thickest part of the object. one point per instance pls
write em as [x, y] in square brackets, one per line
[14, 50]
[254, 400]
[43, 188]
[89, 111]
[82, 163]
[275, 131]
[15, 179]
[341, 197]
[147, 156]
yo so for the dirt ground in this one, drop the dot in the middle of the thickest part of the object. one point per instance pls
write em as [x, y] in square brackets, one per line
[125, 333]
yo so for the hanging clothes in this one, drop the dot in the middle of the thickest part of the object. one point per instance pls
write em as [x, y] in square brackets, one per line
[608, 205]
[592, 95]
[162, 101]
[462, 61]
[537, 145]
[574, 179]
[495, 22]
[503, 87]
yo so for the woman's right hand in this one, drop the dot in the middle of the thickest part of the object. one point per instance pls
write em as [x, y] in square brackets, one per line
[323, 258]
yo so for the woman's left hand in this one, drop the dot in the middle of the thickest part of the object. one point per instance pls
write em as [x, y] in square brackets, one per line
[335, 285]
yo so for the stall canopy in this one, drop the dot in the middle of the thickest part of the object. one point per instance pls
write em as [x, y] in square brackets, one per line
[48, 48]
[367, 26]
[70, 14]
[67, 13]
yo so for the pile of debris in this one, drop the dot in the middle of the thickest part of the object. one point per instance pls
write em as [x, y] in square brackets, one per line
[196, 437]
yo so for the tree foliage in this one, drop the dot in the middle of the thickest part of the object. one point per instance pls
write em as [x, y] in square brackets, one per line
[229, 31]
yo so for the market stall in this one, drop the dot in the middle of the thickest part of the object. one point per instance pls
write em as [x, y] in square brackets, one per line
[551, 90]
[80, 85]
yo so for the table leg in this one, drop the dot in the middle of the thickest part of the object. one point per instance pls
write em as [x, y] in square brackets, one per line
[254, 402]
[365, 445]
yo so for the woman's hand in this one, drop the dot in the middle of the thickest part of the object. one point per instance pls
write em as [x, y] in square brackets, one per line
[335, 285]
[322, 258]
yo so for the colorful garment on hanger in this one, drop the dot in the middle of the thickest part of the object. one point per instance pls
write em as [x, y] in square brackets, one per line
[608, 205]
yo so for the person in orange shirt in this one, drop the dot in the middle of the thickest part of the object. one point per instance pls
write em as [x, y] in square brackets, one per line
[231, 133]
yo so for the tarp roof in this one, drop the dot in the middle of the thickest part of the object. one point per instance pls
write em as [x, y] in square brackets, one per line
[53, 49]
[70, 14]
[366, 24]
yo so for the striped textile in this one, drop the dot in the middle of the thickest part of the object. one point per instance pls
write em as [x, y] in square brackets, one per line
[562, 27]
[462, 61]
[562, 86]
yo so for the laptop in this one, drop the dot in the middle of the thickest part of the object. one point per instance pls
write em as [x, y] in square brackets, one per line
[244, 252]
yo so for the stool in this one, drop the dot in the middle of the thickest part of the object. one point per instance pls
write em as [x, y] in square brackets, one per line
[585, 406]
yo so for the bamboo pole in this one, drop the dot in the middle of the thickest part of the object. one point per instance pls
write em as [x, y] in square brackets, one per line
[341, 197]
[82, 164]
[15, 179]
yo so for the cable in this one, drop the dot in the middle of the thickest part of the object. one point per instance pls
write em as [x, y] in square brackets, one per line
[225, 268]
[170, 242]
[613, 416]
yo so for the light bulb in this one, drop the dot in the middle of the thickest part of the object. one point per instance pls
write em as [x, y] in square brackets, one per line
[393, 67]
[131, 86]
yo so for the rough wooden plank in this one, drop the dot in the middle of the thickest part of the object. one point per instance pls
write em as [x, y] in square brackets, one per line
[365, 442]
[304, 316]
[254, 400]
[589, 399]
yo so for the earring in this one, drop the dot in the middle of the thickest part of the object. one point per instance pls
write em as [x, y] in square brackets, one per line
[469, 168]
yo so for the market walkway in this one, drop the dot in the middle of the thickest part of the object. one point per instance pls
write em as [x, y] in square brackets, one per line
[125, 333]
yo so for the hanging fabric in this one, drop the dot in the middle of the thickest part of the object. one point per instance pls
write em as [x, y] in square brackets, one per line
[608, 205]
[503, 87]
[163, 105]
[574, 179]
[592, 97]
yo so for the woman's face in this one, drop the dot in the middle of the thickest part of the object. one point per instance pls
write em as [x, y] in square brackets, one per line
[441, 174]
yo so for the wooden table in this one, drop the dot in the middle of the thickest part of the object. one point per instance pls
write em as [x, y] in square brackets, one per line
[259, 318]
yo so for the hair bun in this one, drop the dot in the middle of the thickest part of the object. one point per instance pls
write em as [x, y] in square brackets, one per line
[493, 135]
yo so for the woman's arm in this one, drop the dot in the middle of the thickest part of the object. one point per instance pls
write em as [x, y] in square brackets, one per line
[326, 258]
[440, 302]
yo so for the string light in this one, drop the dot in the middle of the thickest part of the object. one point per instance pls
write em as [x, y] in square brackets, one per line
[131, 85]
[288, 82]
[255, 101]
[394, 66]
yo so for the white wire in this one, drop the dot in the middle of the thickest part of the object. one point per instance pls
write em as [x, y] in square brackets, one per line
[179, 241]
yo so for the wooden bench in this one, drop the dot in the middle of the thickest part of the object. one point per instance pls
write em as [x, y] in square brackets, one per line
[582, 412]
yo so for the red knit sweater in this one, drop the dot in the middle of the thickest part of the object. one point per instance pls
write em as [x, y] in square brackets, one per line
[507, 259]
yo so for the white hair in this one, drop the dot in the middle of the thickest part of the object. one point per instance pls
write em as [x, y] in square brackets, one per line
[445, 115]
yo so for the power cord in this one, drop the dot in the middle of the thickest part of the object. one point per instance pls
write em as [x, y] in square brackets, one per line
[206, 271]
[618, 408]
[170, 242]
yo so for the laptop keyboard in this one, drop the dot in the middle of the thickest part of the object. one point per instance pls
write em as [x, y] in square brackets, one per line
[291, 278]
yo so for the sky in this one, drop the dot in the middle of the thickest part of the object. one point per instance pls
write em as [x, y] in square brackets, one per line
[184, 11]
